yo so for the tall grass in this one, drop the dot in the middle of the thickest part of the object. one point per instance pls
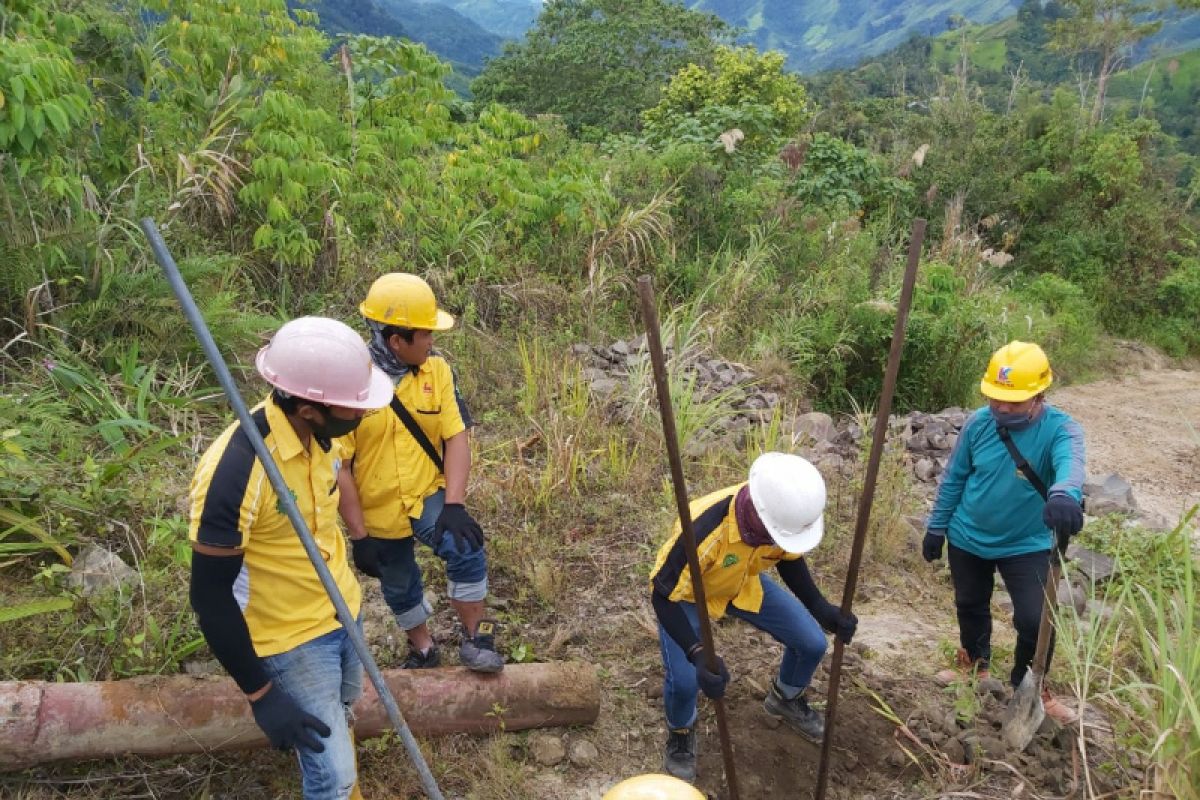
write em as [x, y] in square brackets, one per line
[1139, 663]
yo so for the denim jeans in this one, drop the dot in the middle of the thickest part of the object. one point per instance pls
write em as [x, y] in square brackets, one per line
[324, 677]
[1025, 578]
[781, 615]
[466, 570]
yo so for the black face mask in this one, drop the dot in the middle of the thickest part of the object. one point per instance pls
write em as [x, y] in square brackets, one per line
[332, 427]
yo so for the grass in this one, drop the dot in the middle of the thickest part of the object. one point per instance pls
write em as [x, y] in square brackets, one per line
[1140, 661]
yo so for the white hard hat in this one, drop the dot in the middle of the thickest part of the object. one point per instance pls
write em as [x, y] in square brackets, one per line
[324, 360]
[789, 494]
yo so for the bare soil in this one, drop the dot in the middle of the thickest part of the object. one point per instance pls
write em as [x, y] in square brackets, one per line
[1146, 427]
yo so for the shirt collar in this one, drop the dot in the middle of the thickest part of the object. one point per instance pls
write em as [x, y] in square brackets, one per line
[287, 443]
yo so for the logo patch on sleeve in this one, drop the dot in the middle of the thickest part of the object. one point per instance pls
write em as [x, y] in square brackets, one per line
[730, 560]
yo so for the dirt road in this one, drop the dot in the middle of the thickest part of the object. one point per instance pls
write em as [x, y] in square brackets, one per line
[1146, 427]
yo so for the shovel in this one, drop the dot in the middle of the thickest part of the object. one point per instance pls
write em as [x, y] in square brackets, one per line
[1025, 711]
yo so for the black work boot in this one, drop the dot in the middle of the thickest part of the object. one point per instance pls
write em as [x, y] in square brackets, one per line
[418, 660]
[679, 759]
[795, 713]
[478, 653]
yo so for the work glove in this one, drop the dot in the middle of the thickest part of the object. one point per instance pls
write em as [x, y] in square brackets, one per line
[367, 556]
[456, 519]
[931, 547]
[1063, 515]
[835, 622]
[287, 725]
[711, 683]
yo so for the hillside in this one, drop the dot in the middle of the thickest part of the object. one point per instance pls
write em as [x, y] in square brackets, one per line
[817, 35]
[448, 33]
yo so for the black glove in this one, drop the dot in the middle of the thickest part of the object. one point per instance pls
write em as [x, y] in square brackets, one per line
[366, 556]
[711, 683]
[286, 724]
[456, 519]
[834, 621]
[931, 547]
[1063, 515]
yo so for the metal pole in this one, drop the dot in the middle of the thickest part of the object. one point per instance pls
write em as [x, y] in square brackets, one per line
[163, 256]
[868, 493]
[654, 342]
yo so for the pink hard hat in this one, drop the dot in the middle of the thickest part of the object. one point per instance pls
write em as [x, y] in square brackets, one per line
[323, 360]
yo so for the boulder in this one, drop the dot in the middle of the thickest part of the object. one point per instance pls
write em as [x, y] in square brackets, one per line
[816, 425]
[584, 753]
[547, 750]
[1112, 494]
[96, 569]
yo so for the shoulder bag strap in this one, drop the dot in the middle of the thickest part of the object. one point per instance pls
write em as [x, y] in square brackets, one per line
[1022, 464]
[417, 433]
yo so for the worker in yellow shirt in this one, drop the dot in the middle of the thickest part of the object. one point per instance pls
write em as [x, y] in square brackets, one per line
[258, 599]
[742, 531]
[407, 481]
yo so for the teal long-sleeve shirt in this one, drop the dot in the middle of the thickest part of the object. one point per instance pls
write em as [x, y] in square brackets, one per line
[984, 502]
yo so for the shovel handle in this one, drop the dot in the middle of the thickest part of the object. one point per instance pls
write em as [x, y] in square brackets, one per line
[1046, 624]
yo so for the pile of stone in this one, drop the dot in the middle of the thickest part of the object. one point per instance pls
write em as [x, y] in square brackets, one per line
[620, 375]
[929, 439]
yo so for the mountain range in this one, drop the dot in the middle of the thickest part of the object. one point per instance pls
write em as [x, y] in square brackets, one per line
[814, 34]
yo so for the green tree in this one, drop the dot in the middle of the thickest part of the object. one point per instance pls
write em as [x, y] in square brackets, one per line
[599, 63]
[1103, 30]
[758, 97]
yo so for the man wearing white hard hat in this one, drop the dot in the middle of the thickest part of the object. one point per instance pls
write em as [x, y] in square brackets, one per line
[741, 531]
[260, 605]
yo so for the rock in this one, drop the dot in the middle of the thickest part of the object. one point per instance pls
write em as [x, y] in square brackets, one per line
[954, 752]
[584, 753]
[605, 387]
[620, 347]
[897, 759]
[96, 569]
[990, 686]
[1099, 609]
[816, 425]
[992, 747]
[547, 750]
[200, 668]
[1096, 567]
[1111, 495]
[926, 470]
[1071, 596]
[583, 350]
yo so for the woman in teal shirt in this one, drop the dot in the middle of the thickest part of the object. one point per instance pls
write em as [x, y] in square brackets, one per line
[994, 517]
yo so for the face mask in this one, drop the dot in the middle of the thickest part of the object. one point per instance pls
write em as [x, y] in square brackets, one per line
[1013, 421]
[334, 427]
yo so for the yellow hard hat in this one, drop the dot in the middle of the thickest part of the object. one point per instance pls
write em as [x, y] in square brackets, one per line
[1017, 372]
[405, 301]
[653, 787]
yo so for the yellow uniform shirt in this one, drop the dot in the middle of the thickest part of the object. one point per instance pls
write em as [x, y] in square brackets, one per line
[730, 567]
[235, 506]
[393, 473]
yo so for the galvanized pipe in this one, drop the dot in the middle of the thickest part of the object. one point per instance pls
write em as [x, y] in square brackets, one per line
[217, 362]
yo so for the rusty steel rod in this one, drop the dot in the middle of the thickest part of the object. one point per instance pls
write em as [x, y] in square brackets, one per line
[667, 412]
[867, 497]
[42, 721]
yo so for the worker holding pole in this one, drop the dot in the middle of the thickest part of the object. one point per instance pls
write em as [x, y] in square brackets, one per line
[741, 531]
[260, 604]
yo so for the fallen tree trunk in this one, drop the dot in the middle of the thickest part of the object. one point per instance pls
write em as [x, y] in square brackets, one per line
[42, 721]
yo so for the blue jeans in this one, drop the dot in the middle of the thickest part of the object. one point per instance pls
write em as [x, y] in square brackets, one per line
[781, 615]
[324, 677]
[466, 570]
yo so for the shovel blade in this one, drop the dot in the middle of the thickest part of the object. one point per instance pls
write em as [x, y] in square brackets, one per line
[1024, 713]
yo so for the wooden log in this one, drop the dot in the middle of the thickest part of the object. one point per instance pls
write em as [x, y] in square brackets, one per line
[158, 715]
